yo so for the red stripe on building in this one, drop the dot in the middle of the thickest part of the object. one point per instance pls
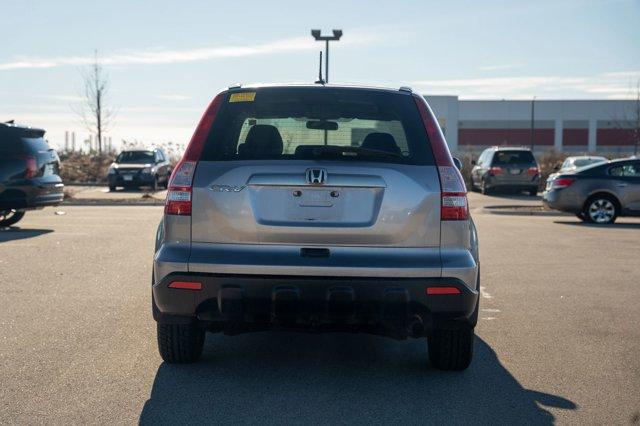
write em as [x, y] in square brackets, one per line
[614, 137]
[575, 137]
[509, 137]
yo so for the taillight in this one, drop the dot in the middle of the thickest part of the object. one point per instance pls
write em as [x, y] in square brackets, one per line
[562, 182]
[454, 206]
[180, 192]
[532, 171]
[453, 203]
[495, 170]
[32, 167]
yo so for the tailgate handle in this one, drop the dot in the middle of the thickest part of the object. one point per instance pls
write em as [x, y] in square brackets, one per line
[314, 252]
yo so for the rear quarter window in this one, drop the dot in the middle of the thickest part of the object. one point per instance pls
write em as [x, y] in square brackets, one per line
[291, 123]
[626, 170]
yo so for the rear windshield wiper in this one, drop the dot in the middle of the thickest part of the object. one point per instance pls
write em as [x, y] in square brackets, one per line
[355, 150]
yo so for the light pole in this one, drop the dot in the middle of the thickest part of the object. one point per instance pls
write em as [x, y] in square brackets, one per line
[317, 34]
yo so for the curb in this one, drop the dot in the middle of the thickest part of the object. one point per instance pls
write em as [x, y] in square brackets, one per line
[508, 211]
[95, 202]
[66, 184]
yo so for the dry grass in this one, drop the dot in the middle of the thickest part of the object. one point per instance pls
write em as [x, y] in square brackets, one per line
[84, 168]
[69, 193]
[77, 167]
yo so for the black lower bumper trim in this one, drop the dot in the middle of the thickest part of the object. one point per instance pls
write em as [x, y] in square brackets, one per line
[398, 307]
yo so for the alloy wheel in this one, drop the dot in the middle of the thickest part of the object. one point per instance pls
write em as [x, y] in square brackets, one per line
[602, 210]
[7, 214]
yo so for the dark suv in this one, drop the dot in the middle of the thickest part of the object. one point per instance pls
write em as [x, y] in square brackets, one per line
[317, 208]
[140, 168]
[28, 173]
[505, 168]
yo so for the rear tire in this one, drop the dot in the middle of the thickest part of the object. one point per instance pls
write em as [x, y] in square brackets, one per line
[180, 343]
[451, 349]
[112, 188]
[474, 188]
[483, 188]
[601, 209]
[10, 217]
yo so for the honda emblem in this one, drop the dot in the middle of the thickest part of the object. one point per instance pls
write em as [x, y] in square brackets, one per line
[316, 176]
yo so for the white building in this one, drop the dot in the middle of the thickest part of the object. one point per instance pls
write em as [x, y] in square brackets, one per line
[578, 126]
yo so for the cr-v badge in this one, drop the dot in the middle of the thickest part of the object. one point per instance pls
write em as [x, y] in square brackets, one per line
[226, 188]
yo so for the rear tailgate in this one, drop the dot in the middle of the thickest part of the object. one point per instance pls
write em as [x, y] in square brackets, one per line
[270, 202]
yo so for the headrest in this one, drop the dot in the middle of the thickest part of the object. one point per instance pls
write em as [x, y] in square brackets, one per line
[263, 140]
[381, 142]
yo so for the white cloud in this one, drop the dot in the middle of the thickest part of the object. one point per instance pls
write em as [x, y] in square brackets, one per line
[163, 56]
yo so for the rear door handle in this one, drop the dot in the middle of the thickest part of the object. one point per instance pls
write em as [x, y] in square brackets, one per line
[621, 185]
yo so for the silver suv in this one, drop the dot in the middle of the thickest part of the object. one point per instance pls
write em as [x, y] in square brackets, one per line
[317, 208]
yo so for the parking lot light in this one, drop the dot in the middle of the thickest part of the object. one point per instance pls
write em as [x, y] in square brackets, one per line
[317, 35]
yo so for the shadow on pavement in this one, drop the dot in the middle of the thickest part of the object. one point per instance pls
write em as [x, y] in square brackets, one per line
[596, 226]
[513, 195]
[14, 233]
[338, 378]
[130, 190]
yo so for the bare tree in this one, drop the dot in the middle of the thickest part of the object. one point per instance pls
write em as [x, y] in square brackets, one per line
[629, 122]
[94, 112]
[635, 132]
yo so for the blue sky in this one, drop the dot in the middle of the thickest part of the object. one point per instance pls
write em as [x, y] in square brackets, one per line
[166, 59]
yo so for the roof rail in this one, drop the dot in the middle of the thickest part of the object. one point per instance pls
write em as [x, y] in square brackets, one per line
[406, 89]
[235, 86]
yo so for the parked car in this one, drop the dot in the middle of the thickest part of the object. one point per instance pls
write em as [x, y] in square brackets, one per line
[598, 193]
[29, 173]
[573, 163]
[137, 168]
[506, 168]
[317, 208]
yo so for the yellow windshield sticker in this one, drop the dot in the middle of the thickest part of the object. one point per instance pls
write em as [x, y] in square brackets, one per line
[242, 97]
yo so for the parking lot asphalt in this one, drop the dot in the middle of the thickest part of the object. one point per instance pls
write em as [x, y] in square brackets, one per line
[558, 338]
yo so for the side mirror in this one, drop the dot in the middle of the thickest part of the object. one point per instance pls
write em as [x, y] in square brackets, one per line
[457, 163]
[473, 162]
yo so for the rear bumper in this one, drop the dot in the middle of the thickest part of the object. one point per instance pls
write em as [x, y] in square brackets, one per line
[563, 200]
[515, 183]
[397, 307]
[33, 194]
[138, 179]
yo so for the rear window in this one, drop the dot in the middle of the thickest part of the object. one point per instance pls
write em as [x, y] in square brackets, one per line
[35, 145]
[11, 142]
[505, 158]
[303, 123]
[582, 162]
[141, 157]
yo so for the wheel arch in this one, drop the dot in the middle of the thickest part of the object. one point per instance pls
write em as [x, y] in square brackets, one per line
[600, 193]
